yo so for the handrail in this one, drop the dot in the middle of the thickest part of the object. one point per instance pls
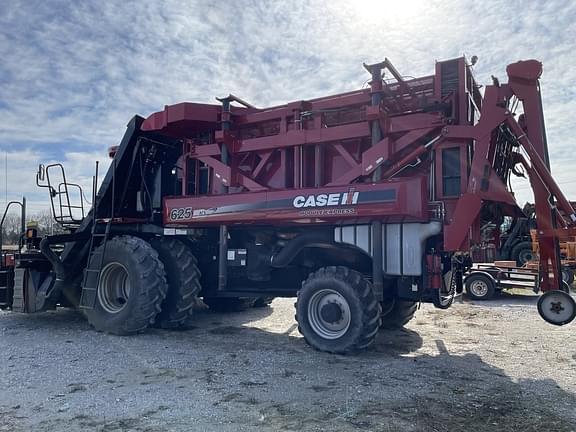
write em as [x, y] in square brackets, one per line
[65, 216]
[22, 205]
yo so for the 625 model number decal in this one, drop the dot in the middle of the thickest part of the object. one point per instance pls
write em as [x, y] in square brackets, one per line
[181, 213]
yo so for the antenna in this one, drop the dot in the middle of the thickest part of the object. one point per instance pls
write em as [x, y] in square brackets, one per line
[6, 176]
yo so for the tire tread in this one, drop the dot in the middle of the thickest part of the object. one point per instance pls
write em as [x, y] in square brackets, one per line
[151, 292]
[183, 276]
[370, 308]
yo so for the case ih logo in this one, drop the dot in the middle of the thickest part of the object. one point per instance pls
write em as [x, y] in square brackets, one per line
[324, 200]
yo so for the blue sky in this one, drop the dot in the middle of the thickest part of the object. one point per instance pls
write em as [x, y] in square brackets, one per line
[72, 74]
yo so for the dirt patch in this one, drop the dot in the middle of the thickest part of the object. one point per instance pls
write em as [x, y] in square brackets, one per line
[492, 366]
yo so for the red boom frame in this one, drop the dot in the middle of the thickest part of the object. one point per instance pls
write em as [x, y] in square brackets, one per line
[393, 135]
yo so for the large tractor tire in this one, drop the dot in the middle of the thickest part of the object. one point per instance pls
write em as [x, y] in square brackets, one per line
[183, 277]
[397, 313]
[337, 311]
[131, 288]
[522, 253]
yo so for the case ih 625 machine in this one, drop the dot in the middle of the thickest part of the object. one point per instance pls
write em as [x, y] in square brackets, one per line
[361, 204]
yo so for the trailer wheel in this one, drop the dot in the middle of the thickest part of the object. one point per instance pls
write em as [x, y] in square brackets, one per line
[228, 304]
[480, 287]
[399, 313]
[522, 253]
[183, 277]
[557, 307]
[131, 288]
[337, 311]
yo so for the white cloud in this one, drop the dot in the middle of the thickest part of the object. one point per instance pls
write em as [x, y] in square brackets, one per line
[74, 73]
[21, 174]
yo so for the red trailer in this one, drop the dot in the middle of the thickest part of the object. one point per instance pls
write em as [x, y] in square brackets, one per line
[361, 204]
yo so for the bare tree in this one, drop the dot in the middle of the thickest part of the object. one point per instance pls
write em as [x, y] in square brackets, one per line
[11, 230]
[46, 223]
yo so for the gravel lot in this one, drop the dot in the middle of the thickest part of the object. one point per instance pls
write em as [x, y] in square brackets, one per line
[478, 366]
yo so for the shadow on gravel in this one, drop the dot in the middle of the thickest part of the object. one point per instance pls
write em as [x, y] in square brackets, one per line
[269, 380]
[71, 319]
[397, 342]
[60, 319]
[507, 299]
[421, 393]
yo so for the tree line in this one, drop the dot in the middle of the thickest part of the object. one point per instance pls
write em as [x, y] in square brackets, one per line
[11, 229]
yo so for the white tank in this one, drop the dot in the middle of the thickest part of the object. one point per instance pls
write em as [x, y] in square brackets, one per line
[403, 244]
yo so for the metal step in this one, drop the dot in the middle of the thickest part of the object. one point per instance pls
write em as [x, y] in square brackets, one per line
[18, 303]
[90, 284]
[6, 287]
[88, 298]
[91, 277]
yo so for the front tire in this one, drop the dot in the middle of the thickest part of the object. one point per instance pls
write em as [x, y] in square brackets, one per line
[131, 287]
[337, 311]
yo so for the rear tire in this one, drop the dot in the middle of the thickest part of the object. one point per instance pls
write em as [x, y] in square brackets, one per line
[183, 277]
[131, 288]
[399, 313]
[337, 311]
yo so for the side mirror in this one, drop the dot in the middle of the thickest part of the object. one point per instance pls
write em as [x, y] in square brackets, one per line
[41, 172]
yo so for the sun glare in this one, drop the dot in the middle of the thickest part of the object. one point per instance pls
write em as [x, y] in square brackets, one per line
[386, 10]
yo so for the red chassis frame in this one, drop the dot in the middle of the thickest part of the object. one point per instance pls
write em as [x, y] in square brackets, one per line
[380, 137]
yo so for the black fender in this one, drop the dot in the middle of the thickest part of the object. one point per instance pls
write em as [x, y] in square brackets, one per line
[323, 251]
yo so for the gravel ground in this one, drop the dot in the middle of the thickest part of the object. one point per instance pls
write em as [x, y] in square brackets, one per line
[478, 366]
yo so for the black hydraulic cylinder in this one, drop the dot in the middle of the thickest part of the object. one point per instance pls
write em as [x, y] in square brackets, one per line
[376, 132]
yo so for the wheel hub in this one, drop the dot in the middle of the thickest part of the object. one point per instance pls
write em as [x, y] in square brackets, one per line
[113, 287]
[556, 307]
[329, 314]
[479, 288]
